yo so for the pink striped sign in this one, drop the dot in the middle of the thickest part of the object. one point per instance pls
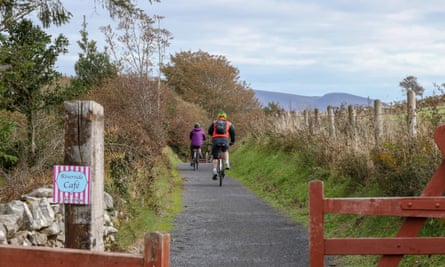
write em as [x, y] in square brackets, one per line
[71, 184]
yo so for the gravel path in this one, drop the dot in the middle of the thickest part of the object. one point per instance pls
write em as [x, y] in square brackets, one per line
[231, 226]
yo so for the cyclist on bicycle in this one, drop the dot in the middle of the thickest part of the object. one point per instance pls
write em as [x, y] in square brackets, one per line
[221, 130]
[197, 138]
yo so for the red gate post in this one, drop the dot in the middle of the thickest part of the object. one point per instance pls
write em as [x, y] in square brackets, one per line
[157, 250]
[316, 227]
[166, 250]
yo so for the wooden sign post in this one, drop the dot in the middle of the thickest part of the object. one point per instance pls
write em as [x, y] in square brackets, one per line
[84, 146]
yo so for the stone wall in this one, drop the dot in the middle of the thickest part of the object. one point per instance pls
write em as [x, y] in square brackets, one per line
[35, 221]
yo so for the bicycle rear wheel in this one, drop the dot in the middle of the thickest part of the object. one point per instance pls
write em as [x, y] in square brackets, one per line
[196, 160]
[220, 171]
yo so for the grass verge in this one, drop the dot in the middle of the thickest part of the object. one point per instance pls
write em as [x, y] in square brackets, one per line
[145, 219]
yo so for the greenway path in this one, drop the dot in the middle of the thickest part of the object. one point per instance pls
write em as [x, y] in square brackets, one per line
[231, 226]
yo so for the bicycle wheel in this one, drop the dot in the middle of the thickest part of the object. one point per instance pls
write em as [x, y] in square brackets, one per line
[221, 171]
[196, 160]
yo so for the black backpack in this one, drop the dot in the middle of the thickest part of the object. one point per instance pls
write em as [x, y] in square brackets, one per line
[220, 127]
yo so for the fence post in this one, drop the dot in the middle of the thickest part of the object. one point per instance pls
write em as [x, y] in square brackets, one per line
[295, 120]
[316, 124]
[353, 124]
[412, 121]
[84, 145]
[378, 121]
[331, 120]
[306, 118]
[157, 250]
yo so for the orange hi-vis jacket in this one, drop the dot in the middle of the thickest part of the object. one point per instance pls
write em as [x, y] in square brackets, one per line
[226, 135]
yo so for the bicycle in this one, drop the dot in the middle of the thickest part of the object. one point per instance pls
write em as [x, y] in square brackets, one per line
[220, 165]
[195, 161]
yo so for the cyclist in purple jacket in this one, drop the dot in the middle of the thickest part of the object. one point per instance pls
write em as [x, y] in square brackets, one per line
[197, 137]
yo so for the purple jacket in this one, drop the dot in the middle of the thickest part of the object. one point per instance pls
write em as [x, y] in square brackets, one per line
[197, 135]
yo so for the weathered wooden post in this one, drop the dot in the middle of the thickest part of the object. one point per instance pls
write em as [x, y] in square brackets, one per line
[316, 124]
[84, 146]
[353, 124]
[306, 118]
[331, 120]
[378, 121]
[295, 120]
[412, 121]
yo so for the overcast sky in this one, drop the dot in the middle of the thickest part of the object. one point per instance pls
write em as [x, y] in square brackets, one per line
[307, 48]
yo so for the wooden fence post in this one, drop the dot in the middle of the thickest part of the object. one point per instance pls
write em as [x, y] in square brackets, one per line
[378, 121]
[316, 125]
[295, 119]
[353, 124]
[84, 145]
[412, 122]
[331, 120]
[306, 118]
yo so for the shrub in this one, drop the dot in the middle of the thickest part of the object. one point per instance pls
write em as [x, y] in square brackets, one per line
[355, 166]
[403, 167]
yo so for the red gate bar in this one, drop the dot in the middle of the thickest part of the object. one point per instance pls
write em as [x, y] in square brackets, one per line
[156, 254]
[387, 246]
[393, 206]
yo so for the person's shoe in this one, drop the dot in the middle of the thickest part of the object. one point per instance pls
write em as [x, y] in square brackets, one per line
[214, 177]
[227, 165]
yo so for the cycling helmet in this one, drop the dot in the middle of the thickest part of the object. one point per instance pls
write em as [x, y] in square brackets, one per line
[222, 114]
[197, 125]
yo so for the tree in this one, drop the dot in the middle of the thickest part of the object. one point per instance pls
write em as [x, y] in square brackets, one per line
[93, 67]
[6, 130]
[53, 12]
[410, 82]
[121, 7]
[31, 83]
[48, 12]
[209, 81]
[134, 43]
[135, 46]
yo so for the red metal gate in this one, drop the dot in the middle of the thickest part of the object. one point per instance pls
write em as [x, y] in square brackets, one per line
[431, 204]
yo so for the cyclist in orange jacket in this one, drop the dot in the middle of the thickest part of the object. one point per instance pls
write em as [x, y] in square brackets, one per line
[221, 130]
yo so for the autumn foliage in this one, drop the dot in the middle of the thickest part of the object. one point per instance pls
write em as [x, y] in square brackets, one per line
[212, 83]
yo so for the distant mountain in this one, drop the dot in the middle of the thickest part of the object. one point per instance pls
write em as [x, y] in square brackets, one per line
[300, 103]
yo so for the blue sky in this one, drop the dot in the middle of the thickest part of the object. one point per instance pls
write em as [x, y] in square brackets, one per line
[307, 48]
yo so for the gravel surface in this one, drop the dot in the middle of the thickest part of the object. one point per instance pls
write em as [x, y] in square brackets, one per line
[231, 226]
